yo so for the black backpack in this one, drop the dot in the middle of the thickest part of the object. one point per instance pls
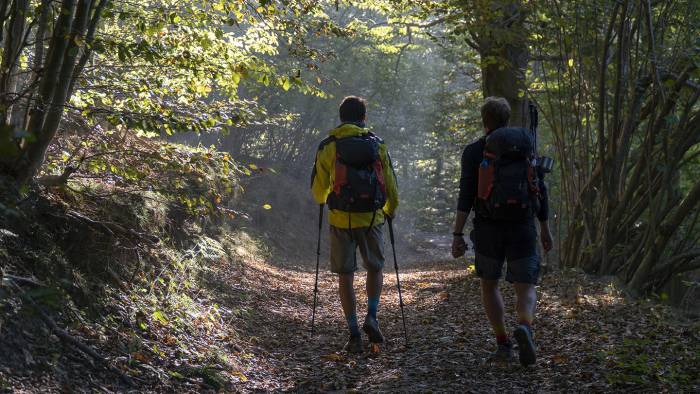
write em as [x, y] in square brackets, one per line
[359, 177]
[508, 189]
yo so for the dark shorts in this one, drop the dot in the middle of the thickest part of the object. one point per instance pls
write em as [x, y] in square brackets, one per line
[516, 243]
[344, 246]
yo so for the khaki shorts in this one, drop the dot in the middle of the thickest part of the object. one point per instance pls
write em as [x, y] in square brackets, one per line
[344, 248]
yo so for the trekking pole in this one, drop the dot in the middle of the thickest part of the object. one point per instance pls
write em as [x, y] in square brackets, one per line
[318, 259]
[398, 282]
[544, 163]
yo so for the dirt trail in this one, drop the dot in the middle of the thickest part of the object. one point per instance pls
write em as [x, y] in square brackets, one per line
[588, 335]
[448, 333]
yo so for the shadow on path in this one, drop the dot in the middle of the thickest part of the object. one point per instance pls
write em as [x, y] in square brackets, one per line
[448, 333]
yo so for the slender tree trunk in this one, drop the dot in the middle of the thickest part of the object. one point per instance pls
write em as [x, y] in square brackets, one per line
[89, 39]
[641, 276]
[10, 59]
[3, 12]
[33, 155]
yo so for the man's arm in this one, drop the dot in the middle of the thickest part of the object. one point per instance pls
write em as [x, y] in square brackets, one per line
[467, 192]
[321, 176]
[460, 221]
[392, 190]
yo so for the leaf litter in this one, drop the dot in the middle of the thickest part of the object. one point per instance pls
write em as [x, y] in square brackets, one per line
[589, 337]
[586, 343]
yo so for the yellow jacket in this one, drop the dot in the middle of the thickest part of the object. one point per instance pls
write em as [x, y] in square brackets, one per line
[324, 174]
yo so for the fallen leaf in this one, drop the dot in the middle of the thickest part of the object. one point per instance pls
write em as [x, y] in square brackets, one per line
[241, 377]
[333, 357]
[140, 357]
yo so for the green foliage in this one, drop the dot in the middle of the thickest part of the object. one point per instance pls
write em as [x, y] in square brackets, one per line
[203, 180]
[176, 66]
[633, 363]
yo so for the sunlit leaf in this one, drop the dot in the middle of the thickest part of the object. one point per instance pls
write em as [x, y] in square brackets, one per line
[160, 317]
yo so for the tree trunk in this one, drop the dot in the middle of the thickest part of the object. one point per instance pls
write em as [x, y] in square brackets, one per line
[33, 156]
[666, 231]
[3, 12]
[506, 78]
[505, 61]
[10, 59]
[37, 150]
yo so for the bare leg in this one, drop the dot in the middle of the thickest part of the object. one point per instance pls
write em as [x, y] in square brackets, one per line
[375, 281]
[347, 293]
[525, 307]
[493, 305]
[526, 301]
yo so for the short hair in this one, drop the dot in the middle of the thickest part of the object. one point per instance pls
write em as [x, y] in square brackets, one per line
[495, 113]
[352, 109]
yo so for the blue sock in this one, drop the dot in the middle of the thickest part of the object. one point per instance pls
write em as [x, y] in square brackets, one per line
[372, 305]
[352, 324]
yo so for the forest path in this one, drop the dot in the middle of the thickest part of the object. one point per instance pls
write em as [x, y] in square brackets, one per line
[448, 333]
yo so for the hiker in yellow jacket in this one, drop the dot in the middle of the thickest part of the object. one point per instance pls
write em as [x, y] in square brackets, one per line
[353, 174]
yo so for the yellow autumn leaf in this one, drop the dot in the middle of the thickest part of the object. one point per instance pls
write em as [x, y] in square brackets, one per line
[240, 376]
[333, 357]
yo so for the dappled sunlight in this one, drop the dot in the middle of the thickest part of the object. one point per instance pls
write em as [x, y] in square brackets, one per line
[173, 174]
[449, 336]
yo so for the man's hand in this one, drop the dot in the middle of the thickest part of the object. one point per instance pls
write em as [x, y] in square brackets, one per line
[389, 216]
[459, 247]
[546, 237]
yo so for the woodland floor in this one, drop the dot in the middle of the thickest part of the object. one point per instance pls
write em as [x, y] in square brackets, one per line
[588, 336]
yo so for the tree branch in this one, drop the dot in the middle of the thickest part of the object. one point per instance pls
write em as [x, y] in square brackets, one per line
[89, 40]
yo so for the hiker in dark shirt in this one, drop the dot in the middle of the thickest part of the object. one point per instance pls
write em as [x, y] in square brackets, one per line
[496, 241]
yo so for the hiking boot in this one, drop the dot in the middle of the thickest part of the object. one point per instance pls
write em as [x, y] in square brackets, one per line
[371, 328]
[354, 345]
[503, 353]
[526, 347]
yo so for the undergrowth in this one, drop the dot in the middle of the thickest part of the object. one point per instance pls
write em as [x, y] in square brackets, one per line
[121, 262]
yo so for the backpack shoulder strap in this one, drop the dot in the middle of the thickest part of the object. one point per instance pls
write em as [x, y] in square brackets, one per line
[321, 145]
[325, 142]
[374, 137]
